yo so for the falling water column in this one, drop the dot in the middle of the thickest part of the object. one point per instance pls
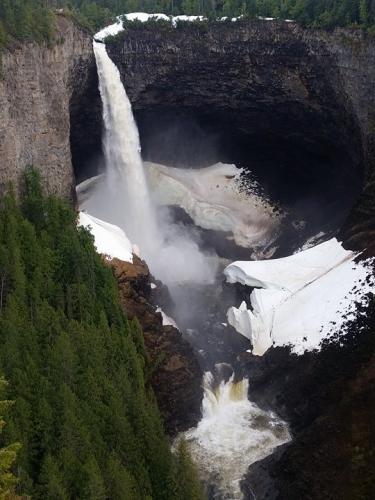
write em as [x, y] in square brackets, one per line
[126, 179]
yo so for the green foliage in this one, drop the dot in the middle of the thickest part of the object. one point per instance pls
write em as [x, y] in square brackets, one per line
[26, 20]
[188, 487]
[34, 19]
[88, 423]
[8, 454]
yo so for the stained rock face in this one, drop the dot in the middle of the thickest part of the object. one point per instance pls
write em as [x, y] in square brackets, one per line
[37, 86]
[177, 377]
[275, 85]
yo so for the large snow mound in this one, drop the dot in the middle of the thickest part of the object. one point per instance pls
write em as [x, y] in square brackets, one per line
[213, 198]
[302, 299]
[291, 272]
[110, 240]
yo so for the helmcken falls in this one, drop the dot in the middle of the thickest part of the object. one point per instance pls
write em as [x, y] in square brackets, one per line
[128, 195]
[187, 250]
[231, 427]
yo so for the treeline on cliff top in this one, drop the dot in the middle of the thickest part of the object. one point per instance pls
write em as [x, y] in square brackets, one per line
[34, 19]
[83, 422]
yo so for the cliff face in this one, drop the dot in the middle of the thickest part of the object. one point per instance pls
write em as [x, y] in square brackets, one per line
[39, 88]
[175, 374]
[271, 84]
[328, 400]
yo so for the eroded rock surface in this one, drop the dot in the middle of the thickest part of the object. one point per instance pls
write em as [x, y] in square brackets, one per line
[177, 376]
[38, 86]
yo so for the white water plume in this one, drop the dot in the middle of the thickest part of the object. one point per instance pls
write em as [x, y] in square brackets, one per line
[125, 174]
[233, 434]
[123, 197]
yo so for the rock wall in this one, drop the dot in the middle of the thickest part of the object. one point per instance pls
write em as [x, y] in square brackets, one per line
[175, 374]
[276, 84]
[36, 87]
[328, 399]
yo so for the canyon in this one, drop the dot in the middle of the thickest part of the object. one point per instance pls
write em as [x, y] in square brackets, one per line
[297, 107]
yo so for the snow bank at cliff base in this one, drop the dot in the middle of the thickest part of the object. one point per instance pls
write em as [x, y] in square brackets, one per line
[302, 299]
[110, 240]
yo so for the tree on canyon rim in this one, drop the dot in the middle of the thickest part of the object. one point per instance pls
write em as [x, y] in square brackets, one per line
[34, 19]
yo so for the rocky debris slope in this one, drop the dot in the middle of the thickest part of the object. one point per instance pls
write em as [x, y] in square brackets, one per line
[40, 86]
[176, 377]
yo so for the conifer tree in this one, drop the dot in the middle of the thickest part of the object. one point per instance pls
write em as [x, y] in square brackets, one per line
[8, 454]
[88, 422]
[188, 486]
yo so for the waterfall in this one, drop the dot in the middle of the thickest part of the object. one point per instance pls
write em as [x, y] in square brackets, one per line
[126, 179]
[172, 253]
[233, 434]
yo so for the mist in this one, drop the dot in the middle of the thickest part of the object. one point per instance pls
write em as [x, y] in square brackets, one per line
[172, 250]
[121, 195]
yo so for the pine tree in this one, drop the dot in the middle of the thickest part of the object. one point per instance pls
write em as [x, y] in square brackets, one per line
[51, 481]
[364, 14]
[8, 454]
[188, 486]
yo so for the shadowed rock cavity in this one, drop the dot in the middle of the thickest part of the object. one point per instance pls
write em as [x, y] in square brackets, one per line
[86, 125]
[293, 106]
[281, 101]
[297, 160]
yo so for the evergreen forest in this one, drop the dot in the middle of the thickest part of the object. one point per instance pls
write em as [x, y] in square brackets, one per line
[35, 19]
[78, 416]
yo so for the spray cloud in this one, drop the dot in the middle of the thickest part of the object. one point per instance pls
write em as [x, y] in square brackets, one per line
[123, 196]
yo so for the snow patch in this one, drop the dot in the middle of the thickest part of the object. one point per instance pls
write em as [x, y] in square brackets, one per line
[240, 319]
[143, 17]
[167, 320]
[185, 18]
[110, 240]
[117, 27]
[301, 299]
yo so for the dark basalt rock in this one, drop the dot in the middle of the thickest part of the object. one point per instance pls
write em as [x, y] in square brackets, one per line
[297, 102]
[176, 377]
[329, 400]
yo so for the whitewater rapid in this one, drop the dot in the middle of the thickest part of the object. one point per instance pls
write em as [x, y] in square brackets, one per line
[232, 434]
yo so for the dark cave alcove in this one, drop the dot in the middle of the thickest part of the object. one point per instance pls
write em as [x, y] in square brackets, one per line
[276, 107]
[86, 126]
[303, 165]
